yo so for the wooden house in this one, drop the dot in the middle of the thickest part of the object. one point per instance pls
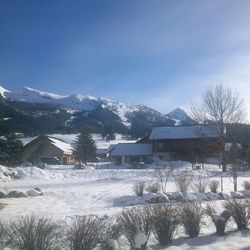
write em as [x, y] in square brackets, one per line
[45, 146]
[190, 143]
[130, 152]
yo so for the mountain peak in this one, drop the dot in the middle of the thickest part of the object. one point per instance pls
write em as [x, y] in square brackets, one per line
[180, 115]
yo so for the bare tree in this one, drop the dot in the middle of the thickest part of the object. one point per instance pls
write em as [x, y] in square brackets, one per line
[220, 105]
[163, 176]
[183, 181]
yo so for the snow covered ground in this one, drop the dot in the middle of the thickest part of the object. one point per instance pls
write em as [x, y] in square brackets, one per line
[69, 192]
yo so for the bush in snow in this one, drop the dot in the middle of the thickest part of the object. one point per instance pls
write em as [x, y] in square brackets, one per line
[219, 220]
[2, 232]
[31, 233]
[163, 177]
[214, 185]
[138, 188]
[246, 185]
[86, 232]
[183, 181]
[110, 234]
[135, 223]
[153, 187]
[200, 185]
[190, 216]
[240, 211]
[165, 222]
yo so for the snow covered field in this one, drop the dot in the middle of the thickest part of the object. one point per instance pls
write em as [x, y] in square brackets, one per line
[69, 192]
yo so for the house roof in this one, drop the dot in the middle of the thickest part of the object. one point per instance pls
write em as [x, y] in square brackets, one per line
[132, 149]
[184, 132]
[102, 150]
[65, 147]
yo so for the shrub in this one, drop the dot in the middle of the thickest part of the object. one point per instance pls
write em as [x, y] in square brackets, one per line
[163, 177]
[31, 233]
[246, 185]
[219, 220]
[214, 185]
[139, 188]
[200, 185]
[86, 232]
[2, 233]
[183, 181]
[190, 216]
[165, 222]
[110, 234]
[153, 187]
[240, 211]
[134, 221]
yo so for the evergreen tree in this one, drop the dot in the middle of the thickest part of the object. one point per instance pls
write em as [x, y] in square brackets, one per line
[85, 148]
[10, 150]
[108, 133]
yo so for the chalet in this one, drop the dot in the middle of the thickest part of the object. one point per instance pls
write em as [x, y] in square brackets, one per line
[190, 143]
[130, 152]
[46, 146]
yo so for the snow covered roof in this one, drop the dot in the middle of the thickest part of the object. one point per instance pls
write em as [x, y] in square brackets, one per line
[132, 149]
[102, 150]
[65, 147]
[184, 132]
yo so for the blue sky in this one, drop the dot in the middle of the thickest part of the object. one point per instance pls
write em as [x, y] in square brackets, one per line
[161, 53]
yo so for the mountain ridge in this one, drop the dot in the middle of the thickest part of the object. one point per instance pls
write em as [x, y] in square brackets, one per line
[79, 110]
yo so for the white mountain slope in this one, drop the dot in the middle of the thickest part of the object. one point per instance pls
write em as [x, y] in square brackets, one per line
[180, 116]
[3, 91]
[77, 102]
[127, 114]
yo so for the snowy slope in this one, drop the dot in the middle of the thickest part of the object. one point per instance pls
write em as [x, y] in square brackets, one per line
[3, 91]
[180, 116]
[79, 102]
[68, 193]
[86, 103]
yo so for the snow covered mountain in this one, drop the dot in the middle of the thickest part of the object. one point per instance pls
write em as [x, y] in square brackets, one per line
[180, 117]
[79, 102]
[75, 111]
[3, 91]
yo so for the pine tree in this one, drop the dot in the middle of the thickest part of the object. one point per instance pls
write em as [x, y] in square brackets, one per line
[108, 133]
[85, 148]
[10, 150]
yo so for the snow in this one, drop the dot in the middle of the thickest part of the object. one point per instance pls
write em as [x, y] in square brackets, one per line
[70, 139]
[33, 192]
[31, 95]
[3, 91]
[183, 132]
[65, 147]
[121, 110]
[140, 239]
[68, 192]
[72, 102]
[179, 115]
[113, 244]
